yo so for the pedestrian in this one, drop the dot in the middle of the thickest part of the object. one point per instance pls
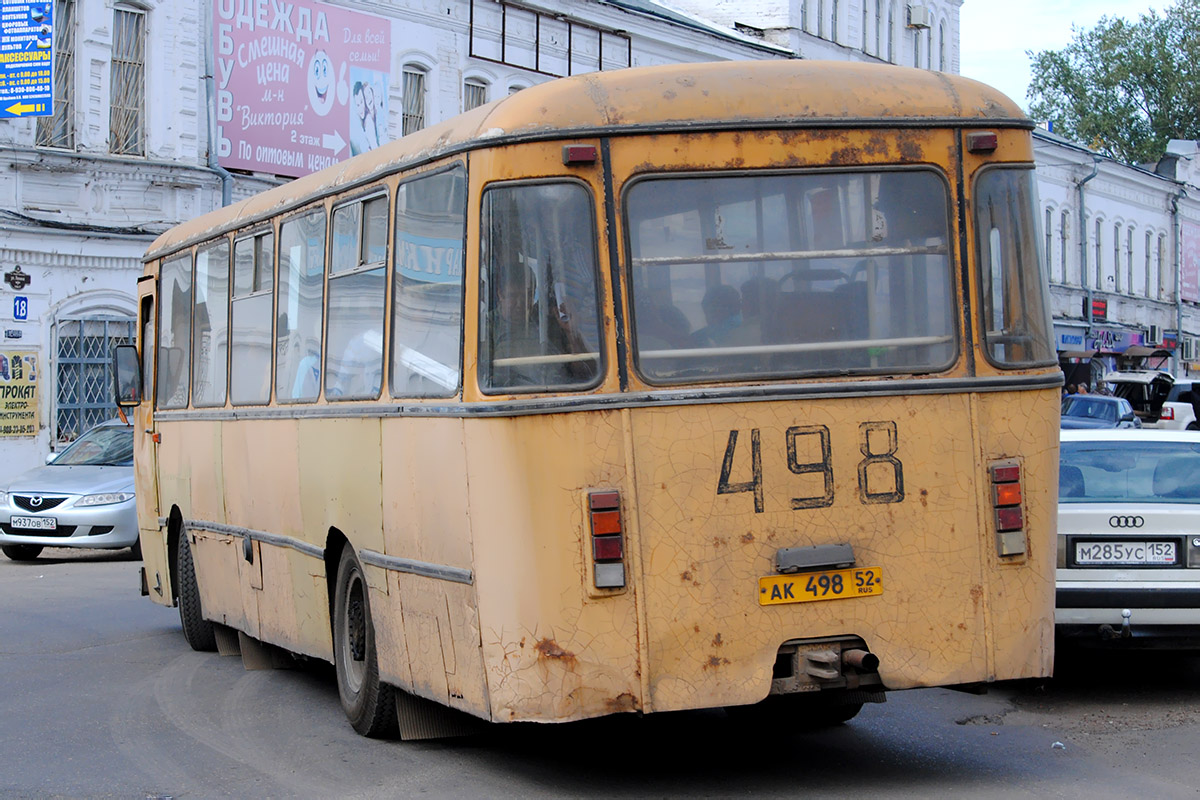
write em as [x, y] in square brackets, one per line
[1083, 388]
[1071, 388]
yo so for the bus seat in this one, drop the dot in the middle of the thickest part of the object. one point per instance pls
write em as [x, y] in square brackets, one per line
[1070, 481]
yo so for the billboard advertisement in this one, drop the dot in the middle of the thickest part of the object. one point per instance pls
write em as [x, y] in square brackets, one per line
[1190, 265]
[300, 85]
[26, 59]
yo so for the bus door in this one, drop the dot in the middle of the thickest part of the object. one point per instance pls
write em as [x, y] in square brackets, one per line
[146, 454]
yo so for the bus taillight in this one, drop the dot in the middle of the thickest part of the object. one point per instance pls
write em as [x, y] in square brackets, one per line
[608, 546]
[1006, 501]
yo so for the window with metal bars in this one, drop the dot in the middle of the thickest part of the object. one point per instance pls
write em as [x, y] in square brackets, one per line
[58, 129]
[414, 99]
[83, 371]
[474, 94]
[128, 83]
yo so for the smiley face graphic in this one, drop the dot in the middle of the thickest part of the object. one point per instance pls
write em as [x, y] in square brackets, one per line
[320, 83]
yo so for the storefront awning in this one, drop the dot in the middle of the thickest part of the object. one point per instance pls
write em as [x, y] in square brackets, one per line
[1076, 354]
[1141, 351]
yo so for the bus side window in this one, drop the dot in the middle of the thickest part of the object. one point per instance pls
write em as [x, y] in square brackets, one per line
[250, 327]
[357, 278]
[174, 332]
[540, 324]
[427, 289]
[301, 295]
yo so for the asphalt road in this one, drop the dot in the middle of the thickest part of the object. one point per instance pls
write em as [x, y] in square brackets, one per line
[101, 697]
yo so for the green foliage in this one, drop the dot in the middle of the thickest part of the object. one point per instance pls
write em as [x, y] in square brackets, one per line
[1124, 88]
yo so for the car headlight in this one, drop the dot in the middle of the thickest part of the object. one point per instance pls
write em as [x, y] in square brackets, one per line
[3, 498]
[105, 499]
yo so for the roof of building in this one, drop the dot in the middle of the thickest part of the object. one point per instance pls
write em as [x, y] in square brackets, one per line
[728, 95]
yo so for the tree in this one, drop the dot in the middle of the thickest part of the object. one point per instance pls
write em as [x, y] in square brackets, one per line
[1124, 88]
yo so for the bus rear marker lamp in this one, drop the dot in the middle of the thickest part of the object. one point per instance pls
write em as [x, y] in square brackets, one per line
[1006, 503]
[579, 154]
[982, 142]
[608, 541]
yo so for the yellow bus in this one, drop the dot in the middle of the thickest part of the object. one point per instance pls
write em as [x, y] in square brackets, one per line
[692, 386]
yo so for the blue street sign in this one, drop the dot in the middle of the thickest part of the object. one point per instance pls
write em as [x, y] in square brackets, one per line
[21, 308]
[26, 59]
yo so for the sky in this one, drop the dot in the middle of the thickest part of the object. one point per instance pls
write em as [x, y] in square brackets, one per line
[996, 33]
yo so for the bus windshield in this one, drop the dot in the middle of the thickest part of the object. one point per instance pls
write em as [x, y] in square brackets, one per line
[740, 276]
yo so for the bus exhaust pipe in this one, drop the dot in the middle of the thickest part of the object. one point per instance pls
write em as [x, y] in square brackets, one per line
[860, 660]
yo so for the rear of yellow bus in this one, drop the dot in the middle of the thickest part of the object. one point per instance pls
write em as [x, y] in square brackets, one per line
[815, 458]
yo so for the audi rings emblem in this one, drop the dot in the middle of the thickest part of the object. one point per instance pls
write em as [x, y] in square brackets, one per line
[35, 501]
[1126, 522]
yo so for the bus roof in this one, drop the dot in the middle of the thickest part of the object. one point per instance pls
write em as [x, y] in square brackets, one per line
[719, 95]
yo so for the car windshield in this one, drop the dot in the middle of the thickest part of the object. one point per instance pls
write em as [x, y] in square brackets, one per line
[1086, 407]
[106, 446]
[1129, 472]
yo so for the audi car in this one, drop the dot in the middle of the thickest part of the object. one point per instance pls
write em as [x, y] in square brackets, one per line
[82, 498]
[1129, 538]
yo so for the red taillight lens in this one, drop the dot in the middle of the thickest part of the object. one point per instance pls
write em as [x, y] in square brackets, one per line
[1167, 413]
[608, 542]
[607, 548]
[1009, 519]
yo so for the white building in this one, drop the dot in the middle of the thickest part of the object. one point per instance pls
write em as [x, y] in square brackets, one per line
[151, 127]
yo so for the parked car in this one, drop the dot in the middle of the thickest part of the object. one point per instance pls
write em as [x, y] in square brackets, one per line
[81, 498]
[1158, 399]
[1129, 538]
[1097, 411]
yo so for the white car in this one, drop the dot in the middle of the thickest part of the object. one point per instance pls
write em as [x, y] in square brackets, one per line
[1129, 537]
[82, 498]
[1158, 399]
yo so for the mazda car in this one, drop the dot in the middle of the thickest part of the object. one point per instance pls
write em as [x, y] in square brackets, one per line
[1129, 538]
[82, 498]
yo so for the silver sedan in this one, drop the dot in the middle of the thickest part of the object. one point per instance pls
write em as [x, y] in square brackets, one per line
[83, 498]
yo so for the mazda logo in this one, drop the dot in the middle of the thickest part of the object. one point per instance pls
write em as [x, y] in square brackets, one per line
[1126, 522]
[35, 501]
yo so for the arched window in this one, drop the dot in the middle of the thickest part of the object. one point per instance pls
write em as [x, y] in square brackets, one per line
[942, 47]
[1097, 245]
[891, 32]
[1149, 291]
[1063, 230]
[833, 22]
[1049, 252]
[1116, 276]
[1162, 248]
[58, 129]
[865, 17]
[414, 98]
[127, 89]
[1129, 260]
[821, 18]
[475, 93]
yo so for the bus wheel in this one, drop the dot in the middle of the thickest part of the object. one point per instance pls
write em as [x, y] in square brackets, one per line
[369, 704]
[21, 552]
[196, 629]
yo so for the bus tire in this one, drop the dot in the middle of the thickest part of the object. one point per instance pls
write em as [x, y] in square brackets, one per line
[22, 552]
[370, 705]
[198, 631]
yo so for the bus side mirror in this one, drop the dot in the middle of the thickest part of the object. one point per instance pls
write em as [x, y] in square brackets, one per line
[127, 376]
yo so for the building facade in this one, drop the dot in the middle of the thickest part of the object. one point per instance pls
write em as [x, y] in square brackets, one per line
[151, 126]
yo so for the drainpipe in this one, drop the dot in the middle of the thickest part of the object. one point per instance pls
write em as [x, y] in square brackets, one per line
[1083, 265]
[1176, 255]
[210, 88]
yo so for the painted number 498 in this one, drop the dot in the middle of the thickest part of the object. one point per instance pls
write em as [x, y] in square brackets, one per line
[880, 472]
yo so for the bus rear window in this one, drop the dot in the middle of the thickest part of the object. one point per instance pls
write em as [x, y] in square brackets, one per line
[741, 277]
